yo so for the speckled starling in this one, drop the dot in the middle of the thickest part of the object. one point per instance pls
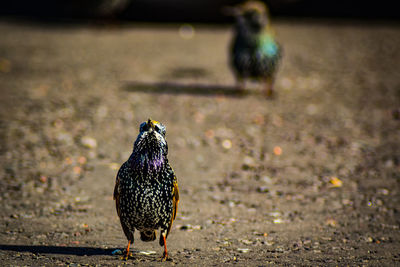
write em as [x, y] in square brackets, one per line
[254, 54]
[146, 190]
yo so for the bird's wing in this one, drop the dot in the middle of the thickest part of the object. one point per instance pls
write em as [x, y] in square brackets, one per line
[175, 201]
[268, 45]
[116, 192]
[175, 198]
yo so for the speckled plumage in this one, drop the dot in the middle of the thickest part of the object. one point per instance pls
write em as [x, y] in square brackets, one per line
[254, 52]
[146, 189]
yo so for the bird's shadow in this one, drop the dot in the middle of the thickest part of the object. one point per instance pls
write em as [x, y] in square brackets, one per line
[177, 88]
[78, 251]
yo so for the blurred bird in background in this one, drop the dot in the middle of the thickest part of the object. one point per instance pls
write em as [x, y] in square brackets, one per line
[254, 53]
[146, 189]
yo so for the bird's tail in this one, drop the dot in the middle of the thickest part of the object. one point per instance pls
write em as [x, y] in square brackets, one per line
[149, 235]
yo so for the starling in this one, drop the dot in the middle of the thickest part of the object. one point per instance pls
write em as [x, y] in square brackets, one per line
[146, 189]
[254, 52]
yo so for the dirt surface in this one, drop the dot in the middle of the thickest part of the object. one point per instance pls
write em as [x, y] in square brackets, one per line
[311, 177]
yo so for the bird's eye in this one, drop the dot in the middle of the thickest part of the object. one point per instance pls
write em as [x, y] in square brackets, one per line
[160, 129]
[144, 127]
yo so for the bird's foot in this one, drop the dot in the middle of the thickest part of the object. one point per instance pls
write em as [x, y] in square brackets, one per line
[269, 94]
[241, 86]
[127, 256]
[242, 91]
[165, 257]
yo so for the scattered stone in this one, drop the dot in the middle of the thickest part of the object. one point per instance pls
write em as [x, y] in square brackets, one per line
[278, 221]
[331, 222]
[335, 182]
[189, 227]
[243, 250]
[89, 142]
[148, 252]
[227, 144]
[246, 241]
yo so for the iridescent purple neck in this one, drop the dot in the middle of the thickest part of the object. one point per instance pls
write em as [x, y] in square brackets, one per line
[146, 162]
[155, 163]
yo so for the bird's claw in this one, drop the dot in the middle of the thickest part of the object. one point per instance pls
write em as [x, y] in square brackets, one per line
[126, 256]
[165, 258]
[269, 95]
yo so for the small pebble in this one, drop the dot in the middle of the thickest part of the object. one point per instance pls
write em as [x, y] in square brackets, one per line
[243, 250]
[89, 142]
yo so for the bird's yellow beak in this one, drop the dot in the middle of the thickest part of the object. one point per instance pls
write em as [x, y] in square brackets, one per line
[152, 123]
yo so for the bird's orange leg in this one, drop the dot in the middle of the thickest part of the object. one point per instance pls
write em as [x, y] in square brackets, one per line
[127, 251]
[240, 84]
[165, 255]
[269, 89]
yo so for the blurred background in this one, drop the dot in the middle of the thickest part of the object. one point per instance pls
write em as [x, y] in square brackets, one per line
[311, 177]
[192, 11]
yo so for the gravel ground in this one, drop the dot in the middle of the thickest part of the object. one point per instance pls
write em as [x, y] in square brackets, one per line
[311, 177]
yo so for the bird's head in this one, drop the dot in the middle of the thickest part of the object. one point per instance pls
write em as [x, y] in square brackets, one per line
[150, 148]
[254, 13]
